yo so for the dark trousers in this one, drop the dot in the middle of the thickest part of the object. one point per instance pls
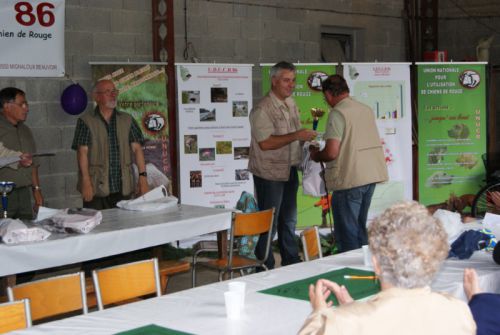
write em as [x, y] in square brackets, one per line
[19, 204]
[107, 202]
[350, 212]
[100, 203]
[282, 195]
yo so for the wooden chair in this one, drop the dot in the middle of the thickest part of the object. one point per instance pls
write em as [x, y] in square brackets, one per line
[169, 268]
[311, 243]
[52, 296]
[120, 283]
[14, 315]
[255, 223]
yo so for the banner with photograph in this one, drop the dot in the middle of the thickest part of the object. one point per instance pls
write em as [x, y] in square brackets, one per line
[32, 38]
[143, 95]
[308, 96]
[214, 133]
[385, 87]
[452, 132]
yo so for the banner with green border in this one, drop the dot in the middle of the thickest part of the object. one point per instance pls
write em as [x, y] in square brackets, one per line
[307, 95]
[452, 131]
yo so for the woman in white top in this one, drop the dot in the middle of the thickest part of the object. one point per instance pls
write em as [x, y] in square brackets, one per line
[408, 246]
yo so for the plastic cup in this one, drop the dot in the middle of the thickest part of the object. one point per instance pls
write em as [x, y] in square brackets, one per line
[239, 287]
[367, 256]
[233, 304]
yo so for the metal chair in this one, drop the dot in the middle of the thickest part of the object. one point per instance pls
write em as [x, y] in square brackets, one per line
[120, 283]
[311, 243]
[52, 296]
[15, 315]
[242, 224]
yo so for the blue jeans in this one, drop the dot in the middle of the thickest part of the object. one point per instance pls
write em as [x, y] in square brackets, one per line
[282, 195]
[350, 212]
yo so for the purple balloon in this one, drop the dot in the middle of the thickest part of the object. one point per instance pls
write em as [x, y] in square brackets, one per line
[74, 99]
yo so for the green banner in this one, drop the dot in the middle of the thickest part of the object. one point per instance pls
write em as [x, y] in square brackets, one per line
[307, 95]
[452, 132]
[358, 288]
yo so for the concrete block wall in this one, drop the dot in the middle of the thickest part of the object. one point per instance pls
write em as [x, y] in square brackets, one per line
[112, 30]
[460, 33]
[245, 31]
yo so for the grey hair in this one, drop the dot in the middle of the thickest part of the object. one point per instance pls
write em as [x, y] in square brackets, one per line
[409, 245]
[276, 68]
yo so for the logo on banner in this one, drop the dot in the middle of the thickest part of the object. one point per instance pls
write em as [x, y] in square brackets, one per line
[315, 79]
[469, 79]
[382, 70]
[154, 122]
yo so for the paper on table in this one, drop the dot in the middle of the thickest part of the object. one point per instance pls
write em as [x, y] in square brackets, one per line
[156, 199]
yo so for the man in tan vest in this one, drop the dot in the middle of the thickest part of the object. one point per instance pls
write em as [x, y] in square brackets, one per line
[275, 153]
[105, 140]
[355, 162]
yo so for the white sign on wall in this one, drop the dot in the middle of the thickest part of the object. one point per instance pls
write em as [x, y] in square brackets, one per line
[214, 133]
[385, 87]
[32, 38]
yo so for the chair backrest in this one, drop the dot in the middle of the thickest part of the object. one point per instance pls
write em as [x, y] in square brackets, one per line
[127, 281]
[255, 223]
[311, 243]
[53, 296]
[14, 315]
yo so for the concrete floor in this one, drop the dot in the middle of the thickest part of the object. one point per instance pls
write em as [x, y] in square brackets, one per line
[204, 276]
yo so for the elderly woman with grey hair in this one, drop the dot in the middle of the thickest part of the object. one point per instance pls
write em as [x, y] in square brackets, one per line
[408, 246]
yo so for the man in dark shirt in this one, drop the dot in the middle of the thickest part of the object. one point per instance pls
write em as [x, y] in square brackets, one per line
[105, 139]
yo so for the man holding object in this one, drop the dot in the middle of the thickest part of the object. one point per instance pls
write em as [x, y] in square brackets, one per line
[354, 159]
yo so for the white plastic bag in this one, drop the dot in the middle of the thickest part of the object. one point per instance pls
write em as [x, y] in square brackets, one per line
[15, 232]
[312, 180]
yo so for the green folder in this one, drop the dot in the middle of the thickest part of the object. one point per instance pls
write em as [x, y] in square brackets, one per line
[358, 288]
[152, 330]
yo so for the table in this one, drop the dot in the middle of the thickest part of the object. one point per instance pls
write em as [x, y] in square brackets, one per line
[120, 231]
[201, 310]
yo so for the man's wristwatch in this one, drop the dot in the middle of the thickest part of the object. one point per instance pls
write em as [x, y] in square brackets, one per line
[144, 174]
[36, 188]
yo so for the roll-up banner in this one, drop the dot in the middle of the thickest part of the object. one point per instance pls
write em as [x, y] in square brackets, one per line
[452, 131]
[143, 95]
[32, 38]
[214, 133]
[385, 87]
[309, 98]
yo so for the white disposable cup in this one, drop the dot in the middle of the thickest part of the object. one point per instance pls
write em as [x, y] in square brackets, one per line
[367, 256]
[239, 287]
[232, 301]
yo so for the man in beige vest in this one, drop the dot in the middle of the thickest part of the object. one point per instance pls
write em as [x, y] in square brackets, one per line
[355, 162]
[275, 153]
[105, 140]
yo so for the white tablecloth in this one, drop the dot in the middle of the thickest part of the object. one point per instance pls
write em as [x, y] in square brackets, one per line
[120, 231]
[201, 310]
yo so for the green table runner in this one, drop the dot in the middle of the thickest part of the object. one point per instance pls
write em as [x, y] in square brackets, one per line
[358, 288]
[152, 330]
